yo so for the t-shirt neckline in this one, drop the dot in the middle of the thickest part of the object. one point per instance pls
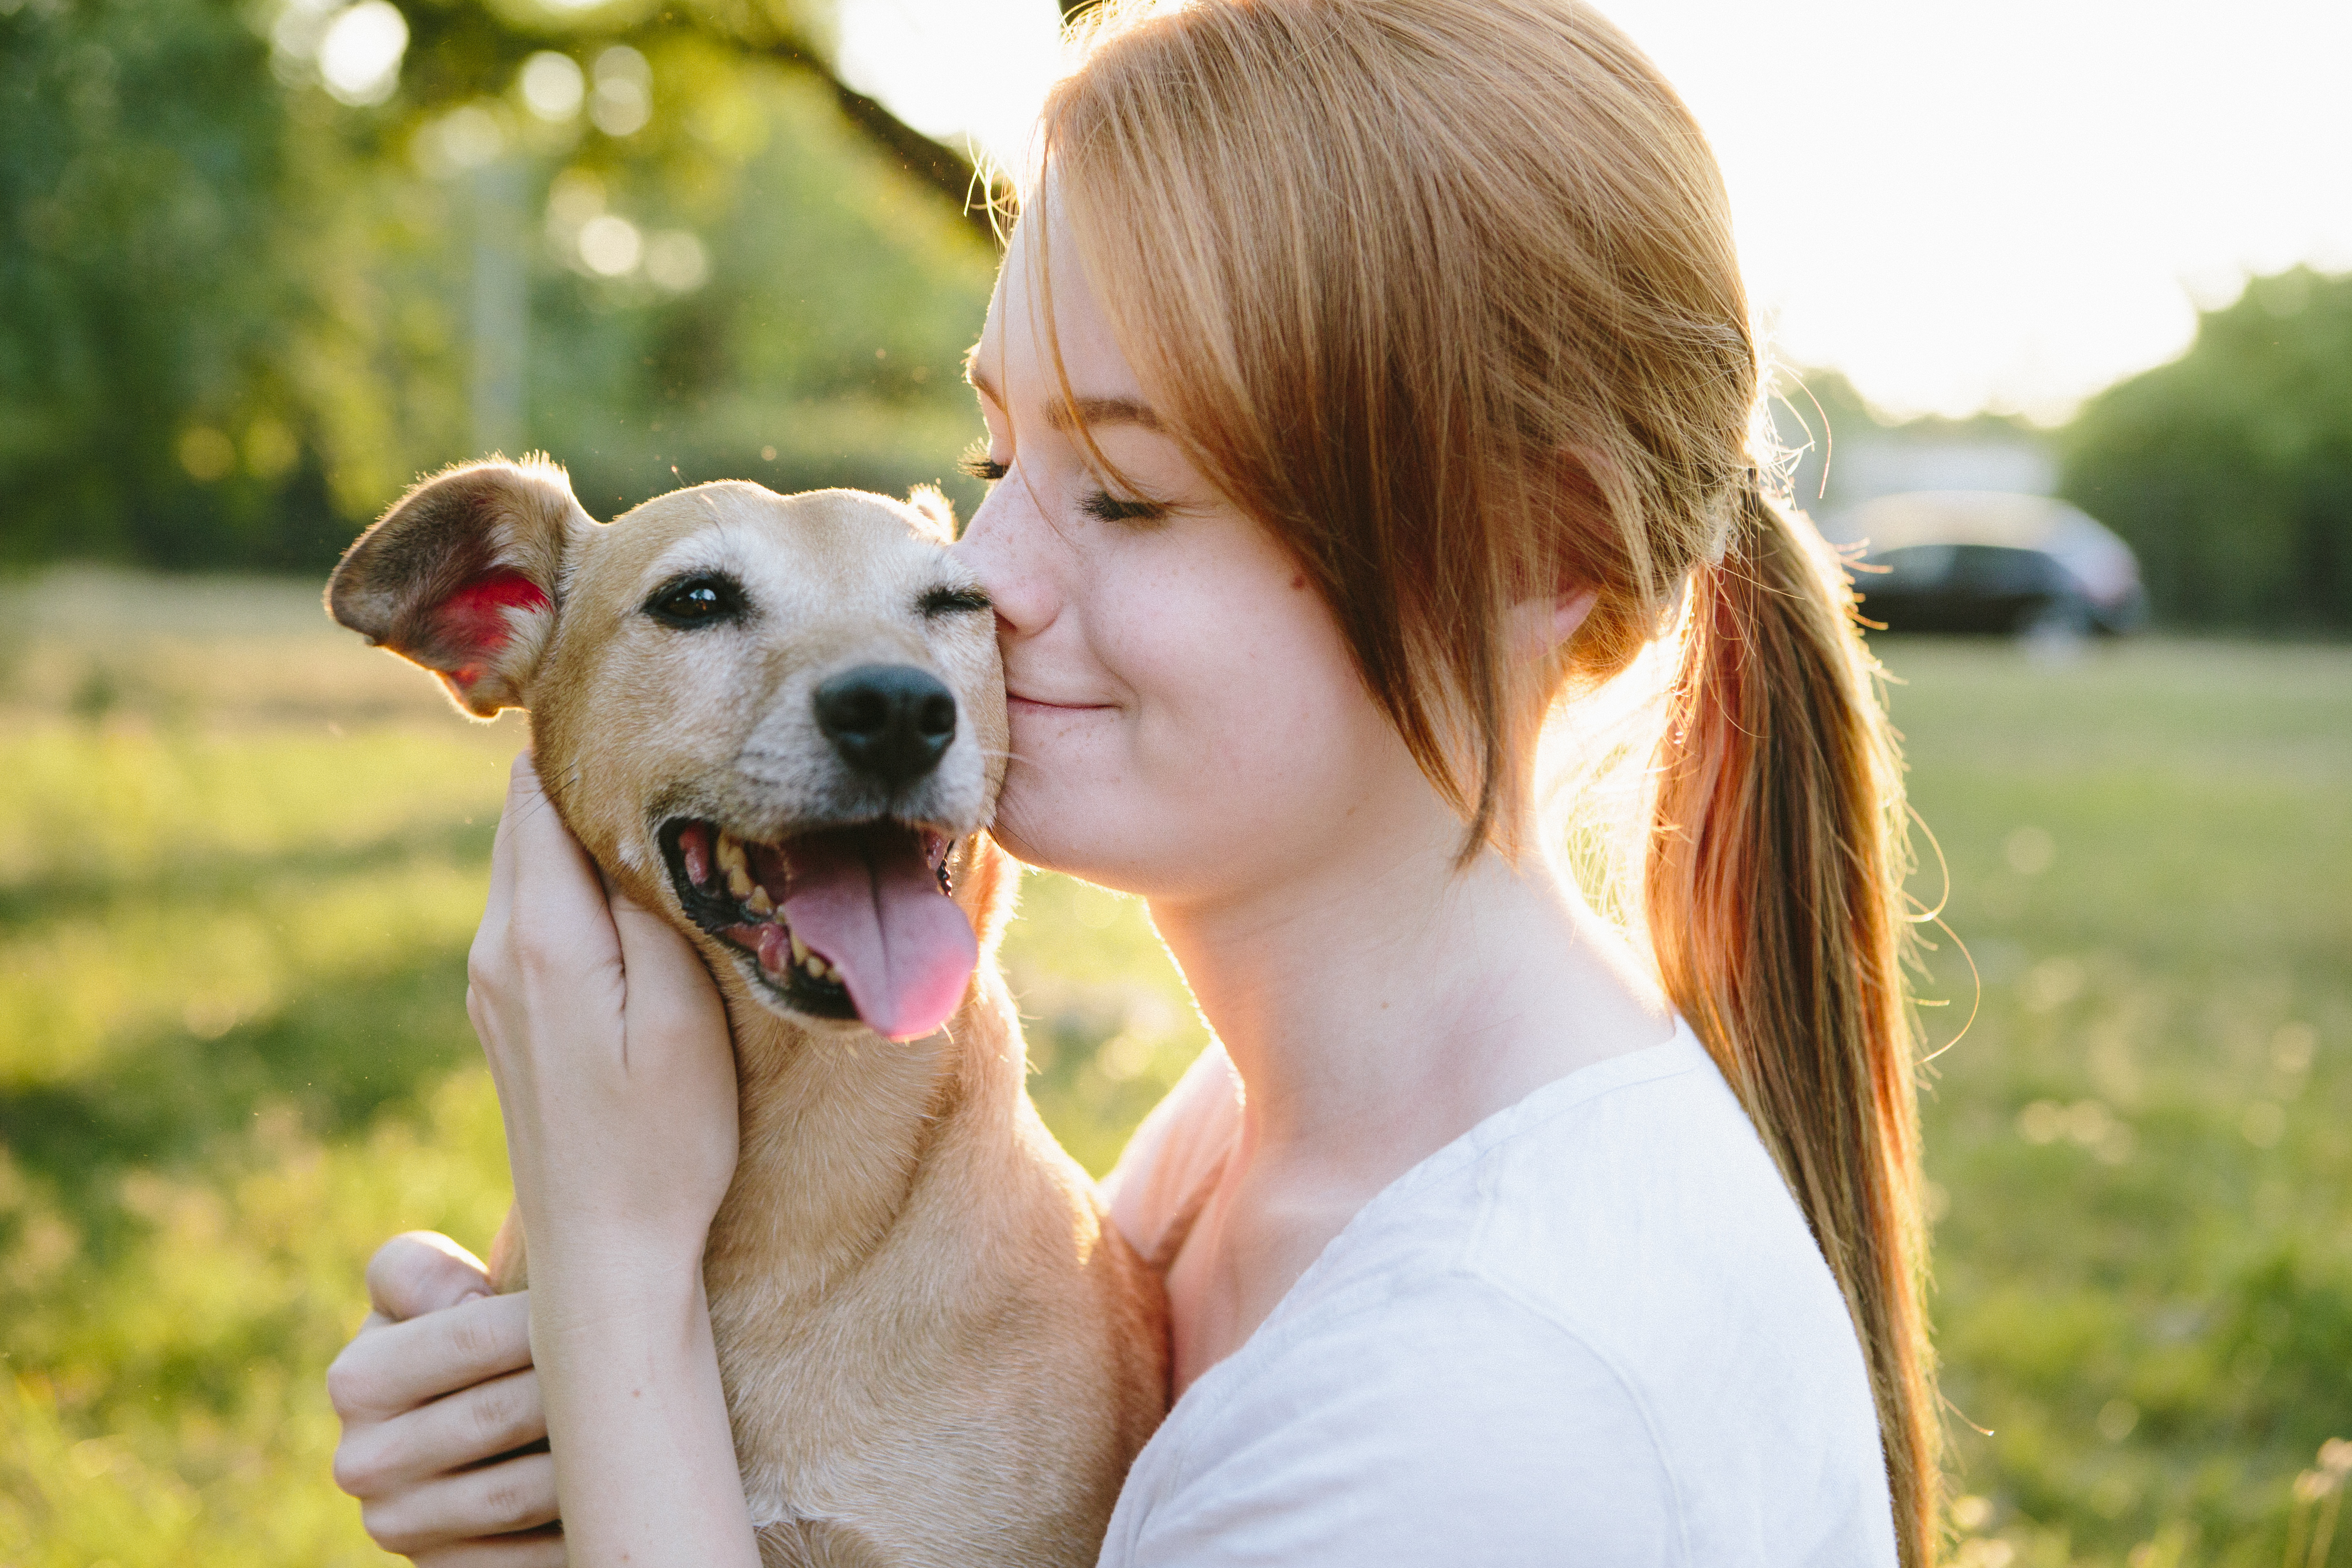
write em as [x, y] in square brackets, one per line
[1678, 1053]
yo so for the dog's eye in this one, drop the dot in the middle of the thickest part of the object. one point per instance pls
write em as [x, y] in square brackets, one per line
[953, 602]
[698, 601]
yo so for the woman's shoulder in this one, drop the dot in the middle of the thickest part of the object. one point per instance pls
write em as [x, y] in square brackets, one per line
[1172, 1161]
[1631, 1200]
[1596, 1318]
[1455, 1420]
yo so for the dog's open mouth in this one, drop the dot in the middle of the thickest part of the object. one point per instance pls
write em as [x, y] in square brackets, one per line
[837, 922]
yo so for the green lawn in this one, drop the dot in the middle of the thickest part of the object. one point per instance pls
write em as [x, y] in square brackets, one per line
[241, 857]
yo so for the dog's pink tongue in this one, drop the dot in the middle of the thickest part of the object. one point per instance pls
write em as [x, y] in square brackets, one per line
[867, 903]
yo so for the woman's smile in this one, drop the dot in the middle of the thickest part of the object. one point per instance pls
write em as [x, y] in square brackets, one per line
[1021, 702]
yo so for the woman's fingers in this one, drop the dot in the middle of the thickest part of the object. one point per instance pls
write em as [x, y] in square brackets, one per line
[391, 1370]
[546, 908]
[559, 900]
[670, 997]
[522, 784]
[531, 1549]
[464, 1429]
[422, 1271]
[513, 1494]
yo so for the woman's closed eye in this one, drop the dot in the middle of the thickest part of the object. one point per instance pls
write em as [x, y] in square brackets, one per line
[1101, 504]
[1105, 507]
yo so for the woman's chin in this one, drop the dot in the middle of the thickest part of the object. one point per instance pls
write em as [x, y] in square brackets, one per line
[1047, 831]
[1026, 828]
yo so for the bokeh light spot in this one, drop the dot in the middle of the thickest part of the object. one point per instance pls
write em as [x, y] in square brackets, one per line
[359, 56]
[610, 244]
[624, 99]
[553, 86]
[675, 260]
[206, 453]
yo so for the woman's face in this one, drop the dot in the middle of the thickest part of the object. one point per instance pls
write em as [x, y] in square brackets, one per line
[1186, 721]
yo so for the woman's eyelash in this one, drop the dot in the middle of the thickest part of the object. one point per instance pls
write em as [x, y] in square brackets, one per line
[1105, 507]
[1102, 506]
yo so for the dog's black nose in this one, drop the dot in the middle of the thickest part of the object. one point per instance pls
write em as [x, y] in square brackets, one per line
[890, 721]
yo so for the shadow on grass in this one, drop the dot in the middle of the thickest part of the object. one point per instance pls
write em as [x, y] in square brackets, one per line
[233, 876]
[339, 1054]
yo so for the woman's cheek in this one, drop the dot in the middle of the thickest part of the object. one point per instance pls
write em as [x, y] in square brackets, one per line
[1075, 798]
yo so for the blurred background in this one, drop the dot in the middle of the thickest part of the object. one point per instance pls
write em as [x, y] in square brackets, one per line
[2068, 287]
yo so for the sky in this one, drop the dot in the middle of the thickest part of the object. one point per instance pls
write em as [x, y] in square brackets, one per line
[2007, 204]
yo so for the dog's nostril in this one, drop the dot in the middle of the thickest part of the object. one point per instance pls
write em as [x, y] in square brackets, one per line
[889, 722]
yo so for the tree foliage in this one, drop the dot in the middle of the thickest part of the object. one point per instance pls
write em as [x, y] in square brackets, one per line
[238, 314]
[2229, 469]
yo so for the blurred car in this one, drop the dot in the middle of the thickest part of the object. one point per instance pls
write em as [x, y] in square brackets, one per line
[1988, 561]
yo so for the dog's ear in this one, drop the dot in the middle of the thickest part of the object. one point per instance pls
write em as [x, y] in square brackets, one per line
[463, 575]
[936, 511]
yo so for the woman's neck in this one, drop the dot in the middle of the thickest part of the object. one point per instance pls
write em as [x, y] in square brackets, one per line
[1378, 1005]
[1381, 1002]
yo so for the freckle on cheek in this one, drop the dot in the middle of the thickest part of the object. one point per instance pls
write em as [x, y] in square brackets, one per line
[1297, 580]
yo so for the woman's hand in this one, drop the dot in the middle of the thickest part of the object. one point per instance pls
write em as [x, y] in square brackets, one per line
[616, 1078]
[614, 1066]
[439, 1379]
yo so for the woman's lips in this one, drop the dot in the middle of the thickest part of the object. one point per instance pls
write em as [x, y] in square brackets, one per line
[1018, 701]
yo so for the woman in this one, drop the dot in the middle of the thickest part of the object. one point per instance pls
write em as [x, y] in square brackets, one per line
[1368, 381]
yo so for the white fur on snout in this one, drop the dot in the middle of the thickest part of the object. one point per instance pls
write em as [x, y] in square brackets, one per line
[828, 588]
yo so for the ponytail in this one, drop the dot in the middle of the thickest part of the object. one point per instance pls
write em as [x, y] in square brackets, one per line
[1774, 892]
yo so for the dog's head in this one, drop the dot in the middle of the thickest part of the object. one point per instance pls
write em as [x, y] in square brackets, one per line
[779, 718]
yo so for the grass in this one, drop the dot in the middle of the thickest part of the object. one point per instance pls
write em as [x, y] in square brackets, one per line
[2142, 1145]
[241, 857]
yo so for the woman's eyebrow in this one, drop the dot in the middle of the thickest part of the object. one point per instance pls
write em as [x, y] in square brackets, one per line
[1087, 411]
[1096, 411]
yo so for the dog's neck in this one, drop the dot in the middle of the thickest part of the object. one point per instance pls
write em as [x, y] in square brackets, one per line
[834, 1126]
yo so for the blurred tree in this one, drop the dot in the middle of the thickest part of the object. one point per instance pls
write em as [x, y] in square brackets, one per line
[2229, 469]
[146, 218]
[259, 269]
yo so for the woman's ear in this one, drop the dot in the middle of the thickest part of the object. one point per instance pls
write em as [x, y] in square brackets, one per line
[463, 577]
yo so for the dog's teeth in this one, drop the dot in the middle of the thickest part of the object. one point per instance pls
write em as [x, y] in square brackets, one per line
[759, 903]
[728, 853]
[799, 949]
[732, 860]
[816, 966]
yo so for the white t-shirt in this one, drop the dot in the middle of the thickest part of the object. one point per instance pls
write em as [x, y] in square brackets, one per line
[1594, 1330]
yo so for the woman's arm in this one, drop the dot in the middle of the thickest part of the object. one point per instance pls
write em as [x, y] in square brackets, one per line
[616, 1078]
[617, 1083]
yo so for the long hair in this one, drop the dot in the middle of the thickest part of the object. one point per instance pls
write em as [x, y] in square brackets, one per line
[1442, 292]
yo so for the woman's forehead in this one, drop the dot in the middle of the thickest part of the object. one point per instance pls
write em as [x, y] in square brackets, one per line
[1010, 358]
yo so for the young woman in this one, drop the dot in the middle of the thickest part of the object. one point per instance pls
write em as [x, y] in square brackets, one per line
[1369, 382]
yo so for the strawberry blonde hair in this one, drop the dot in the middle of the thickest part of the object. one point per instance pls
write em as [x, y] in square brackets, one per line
[1442, 292]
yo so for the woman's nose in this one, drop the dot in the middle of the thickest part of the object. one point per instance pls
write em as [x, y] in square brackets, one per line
[1002, 544]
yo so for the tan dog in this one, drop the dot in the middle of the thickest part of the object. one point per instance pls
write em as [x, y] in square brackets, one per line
[781, 721]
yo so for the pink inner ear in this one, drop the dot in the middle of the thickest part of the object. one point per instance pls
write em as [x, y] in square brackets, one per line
[469, 619]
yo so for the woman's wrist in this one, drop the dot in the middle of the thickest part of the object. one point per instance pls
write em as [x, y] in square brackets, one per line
[587, 1284]
[644, 1457]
